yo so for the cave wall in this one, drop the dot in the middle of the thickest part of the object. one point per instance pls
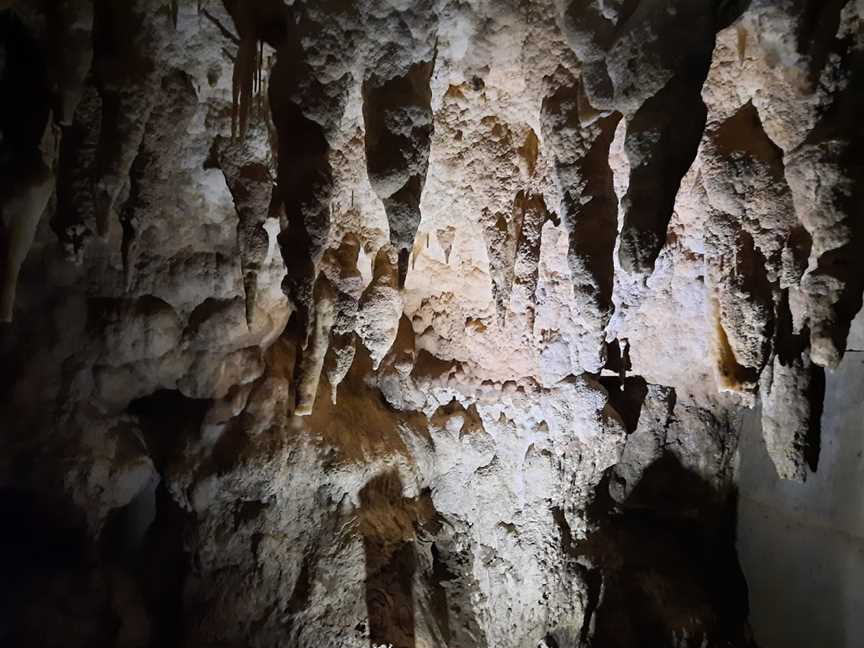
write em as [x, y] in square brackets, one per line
[802, 545]
[418, 323]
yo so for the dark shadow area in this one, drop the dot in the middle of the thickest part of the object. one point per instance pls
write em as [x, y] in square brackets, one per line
[65, 584]
[441, 575]
[162, 567]
[626, 397]
[817, 31]
[24, 176]
[728, 11]
[664, 564]
[166, 417]
[44, 558]
[157, 558]
[23, 76]
[816, 396]
[387, 525]
[618, 356]
[37, 540]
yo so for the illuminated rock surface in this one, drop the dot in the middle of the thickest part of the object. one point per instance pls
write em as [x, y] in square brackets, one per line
[423, 323]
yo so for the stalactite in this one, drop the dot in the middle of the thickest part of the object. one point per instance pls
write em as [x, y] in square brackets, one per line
[312, 362]
[579, 141]
[791, 390]
[381, 306]
[342, 351]
[243, 85]
[533, 215]
[29, 147]
[397, 114]
[21, 209]
[824, 175]
[663, 106]
[128, 37]
[500, 234]
[340, 266]
[72, 53]
[251, 186]
[446, 447]
[257, 22]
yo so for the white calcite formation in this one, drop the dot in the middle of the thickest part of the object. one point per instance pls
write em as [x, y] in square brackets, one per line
[412, 323]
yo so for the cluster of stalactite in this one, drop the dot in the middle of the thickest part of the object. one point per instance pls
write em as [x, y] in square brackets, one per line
[306, 106]
[157, 369]
[754, 257]
[784, 227]
[783, 236]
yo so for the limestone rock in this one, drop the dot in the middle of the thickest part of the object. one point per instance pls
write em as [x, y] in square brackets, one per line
[412, 323]
[381, 306]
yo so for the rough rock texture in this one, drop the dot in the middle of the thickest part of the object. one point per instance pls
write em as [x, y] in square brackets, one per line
[412, 323]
